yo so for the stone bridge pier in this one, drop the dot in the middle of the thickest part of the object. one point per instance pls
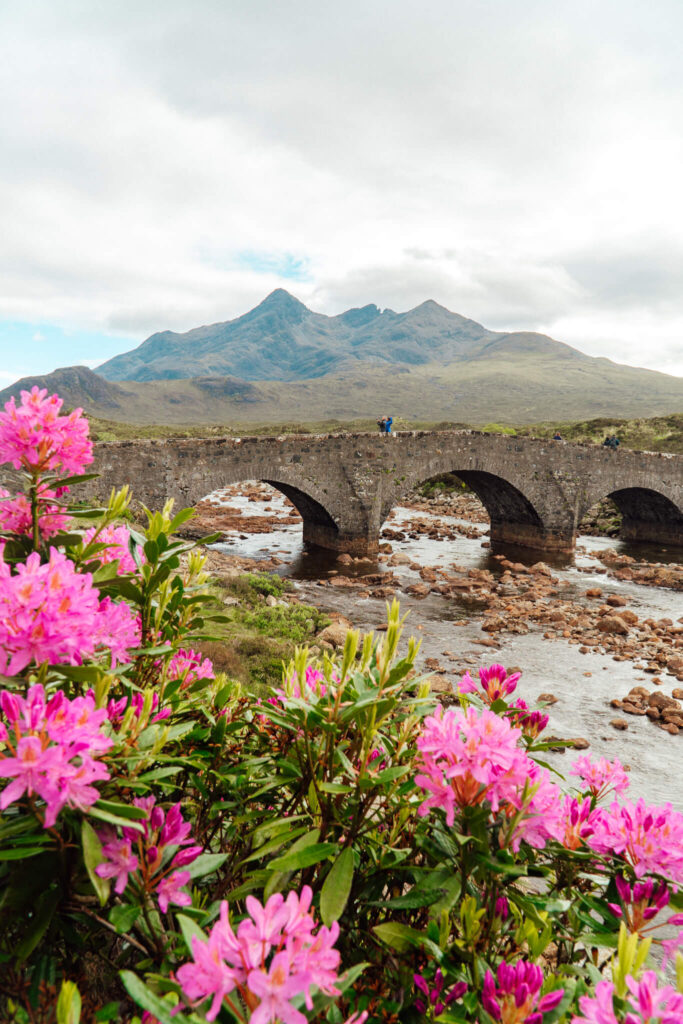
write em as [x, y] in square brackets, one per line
[344, 486]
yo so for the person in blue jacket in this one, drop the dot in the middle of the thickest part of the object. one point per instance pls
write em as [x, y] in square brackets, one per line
[387, 424]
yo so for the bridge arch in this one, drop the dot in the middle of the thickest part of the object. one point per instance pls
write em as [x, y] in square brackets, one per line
[647, 514]
[514, 514]
[319, 525]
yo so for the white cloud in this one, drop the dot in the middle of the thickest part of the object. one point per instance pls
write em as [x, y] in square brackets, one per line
[515, 160]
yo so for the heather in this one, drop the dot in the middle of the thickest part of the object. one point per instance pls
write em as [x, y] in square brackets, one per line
[340, 848]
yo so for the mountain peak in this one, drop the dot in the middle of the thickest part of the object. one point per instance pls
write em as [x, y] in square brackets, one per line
[282, 301]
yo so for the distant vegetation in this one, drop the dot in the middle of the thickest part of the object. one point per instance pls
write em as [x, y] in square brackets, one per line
[657, 434]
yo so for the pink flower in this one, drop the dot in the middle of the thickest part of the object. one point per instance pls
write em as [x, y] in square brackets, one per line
[514, 996]
[52, 613]
[495, 683]
[15, 513]
[578, 817]
[275, 955]
[188, 666]
[275, 987]
[117, 540]
[207, 975]
[601, 777]
[467, 757]
[50, 750]
[170, 890]
[647, 1003]
[532, 723]
[145, 853]
[120, 861]
[650, 839]
[34, 436]
[537, 808]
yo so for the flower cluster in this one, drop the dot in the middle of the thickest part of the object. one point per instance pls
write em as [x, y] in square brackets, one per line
[601, 777]
[141, 854]
[16, 515]
[495, 683]
[116, 708]
[190, 667]
[578, 817]
[532, 723]
[436, 998]
[50, 750]
[513, 996]
[52, 613]
[466, 758]
[647, 1003]
[274, 955]
[33, 436]
[650, 839]
[117, 540]
[314, 684]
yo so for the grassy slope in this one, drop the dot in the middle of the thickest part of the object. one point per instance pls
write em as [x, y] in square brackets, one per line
[510, 389]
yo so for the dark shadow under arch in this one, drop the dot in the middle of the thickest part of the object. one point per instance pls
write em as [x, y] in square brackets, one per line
[501, 499]
[310, 510]
[647, 515]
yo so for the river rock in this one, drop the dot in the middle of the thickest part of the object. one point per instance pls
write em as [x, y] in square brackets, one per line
[548, 698]
[334, 634]
[612, 624]
[619, 723]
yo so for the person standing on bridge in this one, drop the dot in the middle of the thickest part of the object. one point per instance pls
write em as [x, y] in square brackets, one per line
[382, 424]
[388, 420]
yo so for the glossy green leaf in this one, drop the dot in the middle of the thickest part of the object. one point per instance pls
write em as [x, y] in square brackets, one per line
[337, 887]
[92, 858]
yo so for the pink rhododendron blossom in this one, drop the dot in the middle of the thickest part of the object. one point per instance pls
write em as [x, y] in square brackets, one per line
[435, 995]
[577, 818]
[274, 955]
[536, 809]
[495, 683]
[34, 436]
[119, 861]
[647, 1003]
[117, 540]
[514, 995]
[49, 612]
[15, 513]
[532, 723]
[50, 750]
[601, 777]
[467, 757]
[315, 684]
[189, 666]
[116, 709]
[650, 839]
[143, 854]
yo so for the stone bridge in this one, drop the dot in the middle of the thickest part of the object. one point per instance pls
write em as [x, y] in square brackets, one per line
[345, 485]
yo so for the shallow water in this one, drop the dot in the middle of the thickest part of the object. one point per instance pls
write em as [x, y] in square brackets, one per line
[583, 683]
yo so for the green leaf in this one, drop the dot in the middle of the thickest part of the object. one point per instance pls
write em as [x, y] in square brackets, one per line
[294, 860]
[148, 1000]
[123, 917]
[397, 936]
[92, 858]
[122, 810]
[40, 922]
[189, 928]
[113, 819]
[412, 900]
[337, 887]
[69, 1004]
[205, 864]
[21, 853]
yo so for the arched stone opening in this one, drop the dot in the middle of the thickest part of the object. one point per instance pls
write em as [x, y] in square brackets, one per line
[514, 520]
[320, 529]
[648, 515]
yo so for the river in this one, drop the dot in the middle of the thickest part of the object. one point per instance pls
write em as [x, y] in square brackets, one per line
[450, 627]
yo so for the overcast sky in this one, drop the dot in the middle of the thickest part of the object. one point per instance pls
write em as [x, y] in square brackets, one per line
[167, 163]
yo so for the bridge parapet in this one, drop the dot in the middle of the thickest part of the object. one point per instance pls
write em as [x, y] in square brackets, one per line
[344, 485]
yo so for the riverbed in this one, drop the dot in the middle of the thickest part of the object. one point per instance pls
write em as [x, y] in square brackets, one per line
[583, 681]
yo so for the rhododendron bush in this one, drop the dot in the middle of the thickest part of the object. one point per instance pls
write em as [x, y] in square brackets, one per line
[341, 849]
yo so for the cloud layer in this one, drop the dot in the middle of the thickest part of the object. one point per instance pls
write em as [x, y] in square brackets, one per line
[167, 164]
